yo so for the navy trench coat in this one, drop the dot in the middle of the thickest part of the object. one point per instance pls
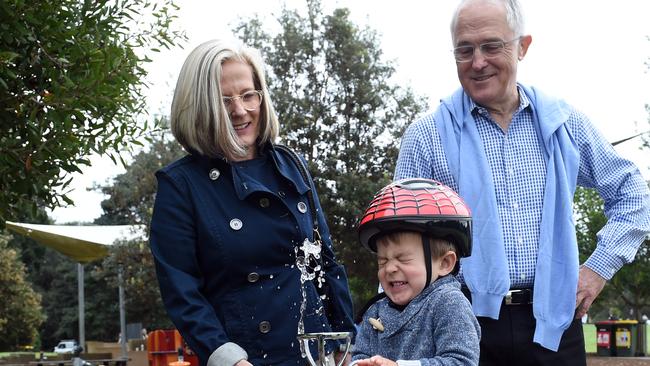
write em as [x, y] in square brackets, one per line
[225, 259]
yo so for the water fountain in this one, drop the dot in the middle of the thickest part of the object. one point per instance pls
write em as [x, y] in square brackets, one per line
[308, 262]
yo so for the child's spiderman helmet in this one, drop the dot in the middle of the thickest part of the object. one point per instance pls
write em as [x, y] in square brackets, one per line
[420, 205]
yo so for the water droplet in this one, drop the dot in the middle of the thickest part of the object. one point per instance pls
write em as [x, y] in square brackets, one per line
[278, 287]
[265, 355]
[271, 276]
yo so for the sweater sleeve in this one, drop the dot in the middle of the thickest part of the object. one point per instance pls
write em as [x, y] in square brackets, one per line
[366, 342]
[456, 332]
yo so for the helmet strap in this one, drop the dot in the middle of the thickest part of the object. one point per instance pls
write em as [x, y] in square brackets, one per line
[427, 257]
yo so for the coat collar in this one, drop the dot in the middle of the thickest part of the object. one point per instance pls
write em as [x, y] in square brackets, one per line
[289, 170]
[281, 162]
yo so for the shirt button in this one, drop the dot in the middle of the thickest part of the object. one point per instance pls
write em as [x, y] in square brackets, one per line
[253, 277]
[302, 207]
[265, 327]
[511, 171]
[520, 241]
[236, 224]
[264, 202]
[214, 174]
[281, 194]
[522, 276]
[515, 205]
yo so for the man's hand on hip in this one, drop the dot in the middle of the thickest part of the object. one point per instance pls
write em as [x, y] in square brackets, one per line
[590, 284]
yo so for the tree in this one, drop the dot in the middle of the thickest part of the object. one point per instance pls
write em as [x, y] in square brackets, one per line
[71, 84]
[627, 294]
[143, 302]
[131, 195]
[20, 306]
[337, 106]
[130, 199]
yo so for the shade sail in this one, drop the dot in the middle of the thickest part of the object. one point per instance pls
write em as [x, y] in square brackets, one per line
[81, 243]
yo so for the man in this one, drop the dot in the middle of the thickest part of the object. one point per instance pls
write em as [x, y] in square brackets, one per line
[516, 155]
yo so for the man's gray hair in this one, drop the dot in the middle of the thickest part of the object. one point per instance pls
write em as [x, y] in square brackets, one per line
[514, 15]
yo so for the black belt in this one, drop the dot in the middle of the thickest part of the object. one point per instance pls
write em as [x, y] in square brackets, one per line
[522, 296]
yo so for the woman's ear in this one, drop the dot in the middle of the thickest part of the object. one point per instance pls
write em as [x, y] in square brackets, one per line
[447, 263]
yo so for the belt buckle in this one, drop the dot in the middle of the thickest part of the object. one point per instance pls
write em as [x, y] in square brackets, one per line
[508, 298]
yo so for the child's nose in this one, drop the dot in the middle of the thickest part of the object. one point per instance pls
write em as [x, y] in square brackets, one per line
[391, 266]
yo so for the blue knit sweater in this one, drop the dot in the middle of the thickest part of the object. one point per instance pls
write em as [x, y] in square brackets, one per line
[436, 328]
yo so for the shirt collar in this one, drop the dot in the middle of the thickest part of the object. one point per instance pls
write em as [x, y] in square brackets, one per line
[524, 102]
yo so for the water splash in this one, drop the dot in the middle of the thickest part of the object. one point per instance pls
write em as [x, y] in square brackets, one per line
[308, 262]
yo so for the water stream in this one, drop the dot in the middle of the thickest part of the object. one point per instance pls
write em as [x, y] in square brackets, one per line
[308, 262]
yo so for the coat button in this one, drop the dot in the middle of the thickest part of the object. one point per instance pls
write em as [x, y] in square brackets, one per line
[236, 224]
[302, 207]
[265, 327]
[253, 277]
[264, 202]
[281, 194]
[214, 174]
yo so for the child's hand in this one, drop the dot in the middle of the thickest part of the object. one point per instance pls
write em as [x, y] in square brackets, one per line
[375, 361]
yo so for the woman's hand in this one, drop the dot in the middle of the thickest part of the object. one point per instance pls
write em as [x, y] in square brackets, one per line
[375, 361]
[243, 363]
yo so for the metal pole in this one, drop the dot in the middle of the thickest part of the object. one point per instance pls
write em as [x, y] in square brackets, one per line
[80, 291]
[120, 281]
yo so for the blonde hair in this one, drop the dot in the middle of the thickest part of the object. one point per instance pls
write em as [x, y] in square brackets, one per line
[199, 119]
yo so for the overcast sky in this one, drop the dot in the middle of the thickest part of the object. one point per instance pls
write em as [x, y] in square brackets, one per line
[592, 53]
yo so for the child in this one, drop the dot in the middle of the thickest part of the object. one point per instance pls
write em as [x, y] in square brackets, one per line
[418, 228]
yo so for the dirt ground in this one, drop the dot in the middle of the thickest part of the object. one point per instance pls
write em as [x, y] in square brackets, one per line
[618, 361]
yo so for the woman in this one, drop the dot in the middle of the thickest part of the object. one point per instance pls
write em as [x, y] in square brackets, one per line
[229, 216]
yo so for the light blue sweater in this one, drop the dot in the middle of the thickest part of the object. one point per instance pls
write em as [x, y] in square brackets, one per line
[486, 271]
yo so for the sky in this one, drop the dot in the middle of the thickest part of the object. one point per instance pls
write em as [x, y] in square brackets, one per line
[594, 54]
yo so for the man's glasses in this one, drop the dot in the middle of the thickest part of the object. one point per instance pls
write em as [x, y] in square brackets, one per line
[488, 50]
[251, 100]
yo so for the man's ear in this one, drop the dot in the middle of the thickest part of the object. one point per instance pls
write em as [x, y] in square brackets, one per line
[524, 43]
[447, 263]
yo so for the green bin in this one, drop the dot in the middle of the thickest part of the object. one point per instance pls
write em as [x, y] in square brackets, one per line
[605, 345]
[625, 337]
[642, 339]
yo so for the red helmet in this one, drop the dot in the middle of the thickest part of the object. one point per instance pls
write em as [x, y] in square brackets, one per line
[421, 205]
